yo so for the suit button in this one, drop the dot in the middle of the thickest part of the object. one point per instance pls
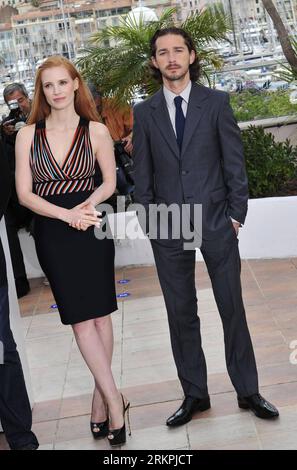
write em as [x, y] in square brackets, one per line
[184, 172]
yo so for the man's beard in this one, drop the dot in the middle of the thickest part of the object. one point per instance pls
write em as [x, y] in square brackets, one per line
[177, 76]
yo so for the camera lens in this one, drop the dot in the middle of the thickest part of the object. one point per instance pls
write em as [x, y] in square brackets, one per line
[14, 109]
[13, 104]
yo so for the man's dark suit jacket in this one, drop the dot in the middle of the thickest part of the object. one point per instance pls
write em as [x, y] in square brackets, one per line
[209, 170]
[5, 181]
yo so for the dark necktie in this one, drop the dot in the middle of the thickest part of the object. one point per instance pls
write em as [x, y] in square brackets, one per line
[179, 120]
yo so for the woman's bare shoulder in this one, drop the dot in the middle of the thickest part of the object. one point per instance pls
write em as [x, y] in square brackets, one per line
[99, 129]
[26, 133]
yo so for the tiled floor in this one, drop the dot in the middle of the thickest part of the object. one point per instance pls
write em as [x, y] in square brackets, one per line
[144, 368]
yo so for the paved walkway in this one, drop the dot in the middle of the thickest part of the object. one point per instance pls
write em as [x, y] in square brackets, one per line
[144, 368]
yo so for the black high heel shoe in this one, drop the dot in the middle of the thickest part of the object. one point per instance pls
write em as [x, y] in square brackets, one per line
[117, 437]
[99, 430]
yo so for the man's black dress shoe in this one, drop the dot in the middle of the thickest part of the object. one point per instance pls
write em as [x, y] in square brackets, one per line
[185, 413]
[261, 407]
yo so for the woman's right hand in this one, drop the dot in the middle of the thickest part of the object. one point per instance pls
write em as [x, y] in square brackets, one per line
[82, 218]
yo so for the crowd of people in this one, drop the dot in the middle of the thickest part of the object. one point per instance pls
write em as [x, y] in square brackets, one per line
[53, 158]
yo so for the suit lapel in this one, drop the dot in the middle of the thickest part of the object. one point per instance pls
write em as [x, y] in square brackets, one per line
[196, 107]
[161, 117]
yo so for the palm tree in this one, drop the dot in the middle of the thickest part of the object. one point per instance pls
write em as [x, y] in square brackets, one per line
[284, 38]
[120, 69]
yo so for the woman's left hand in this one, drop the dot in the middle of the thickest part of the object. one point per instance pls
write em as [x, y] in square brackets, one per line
[82, 225]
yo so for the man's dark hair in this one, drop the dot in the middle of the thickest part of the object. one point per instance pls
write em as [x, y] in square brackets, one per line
[9, 89]
[194, 68]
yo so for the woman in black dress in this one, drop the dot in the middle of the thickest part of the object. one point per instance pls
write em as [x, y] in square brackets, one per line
[55, 156]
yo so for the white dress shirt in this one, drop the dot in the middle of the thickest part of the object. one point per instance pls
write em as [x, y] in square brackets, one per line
[169, 97]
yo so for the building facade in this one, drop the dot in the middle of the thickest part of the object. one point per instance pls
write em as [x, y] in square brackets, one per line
[65, 26]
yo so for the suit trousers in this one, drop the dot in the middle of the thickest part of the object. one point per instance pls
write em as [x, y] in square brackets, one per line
[17, 259]
[176, 271]
[15, 409]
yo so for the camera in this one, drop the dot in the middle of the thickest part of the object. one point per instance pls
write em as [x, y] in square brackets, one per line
[15, 117]
[124, 163]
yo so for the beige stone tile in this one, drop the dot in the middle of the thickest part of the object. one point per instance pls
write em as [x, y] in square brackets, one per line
[77, 427]
[146, 343]
[46, 410]
[149, 374]
[151, 415]
[45, 431]
[276, 373]
[140, 272]
[49, 351]
[205, 295]
[281, 394]
[280, 433]
[148, 303]
[153, 393]
[157, 438]
[79, 380]
[287, 421]
[280, 441]
[48, 382]
[146, 358]
[76, 406]
[290, 336]
[46, 447]
[143, 316]
[215, 360]
[145, 328]
[47, 325]
[46, 307]
[26, 322]
[217, 432]
[87, 443]
[46, 296]
[273, 355]
[252, 443]
[267, 337]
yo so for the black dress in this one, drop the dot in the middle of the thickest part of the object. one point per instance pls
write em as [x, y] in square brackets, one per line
[79, 267]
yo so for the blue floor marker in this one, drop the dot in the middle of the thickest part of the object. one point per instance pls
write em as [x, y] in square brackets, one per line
[123, 294]
[123, 281]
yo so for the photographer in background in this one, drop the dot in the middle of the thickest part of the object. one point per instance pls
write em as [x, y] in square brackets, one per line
[119, 121]
[16, 216]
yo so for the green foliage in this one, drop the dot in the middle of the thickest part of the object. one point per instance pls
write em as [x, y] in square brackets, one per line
[123, 67]
[270, 164]
[251, 105]
[287, 73]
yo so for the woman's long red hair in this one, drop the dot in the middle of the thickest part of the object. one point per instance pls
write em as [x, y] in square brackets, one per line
[83, 102]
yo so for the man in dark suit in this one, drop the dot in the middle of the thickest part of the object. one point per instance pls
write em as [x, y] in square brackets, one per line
[15, 409]
[16, 216]
[188, 150]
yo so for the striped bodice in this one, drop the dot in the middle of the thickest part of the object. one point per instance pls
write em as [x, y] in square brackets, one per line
[77, 171]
